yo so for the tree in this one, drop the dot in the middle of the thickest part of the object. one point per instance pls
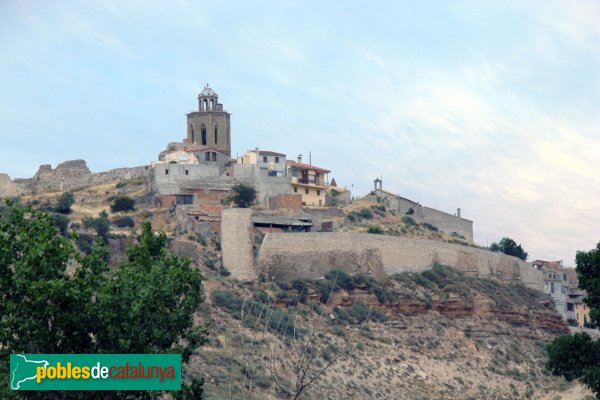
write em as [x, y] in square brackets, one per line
[144, 306]
[509, 247]
[122, 203]
[243, 197]
[577, 357]
[65, 201]
[100, 224]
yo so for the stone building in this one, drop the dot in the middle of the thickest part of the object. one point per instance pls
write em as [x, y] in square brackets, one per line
[445, 222]
[210, 125]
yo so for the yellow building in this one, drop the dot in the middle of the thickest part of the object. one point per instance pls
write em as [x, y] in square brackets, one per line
[309, 181]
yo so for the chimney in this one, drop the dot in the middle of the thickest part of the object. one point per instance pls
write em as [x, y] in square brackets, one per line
[299, 158]
[458, 212]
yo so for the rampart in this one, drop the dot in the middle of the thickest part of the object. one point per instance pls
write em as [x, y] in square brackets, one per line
[68, 175]
[291, 255]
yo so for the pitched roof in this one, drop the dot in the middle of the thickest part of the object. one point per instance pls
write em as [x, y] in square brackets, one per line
[306, 166]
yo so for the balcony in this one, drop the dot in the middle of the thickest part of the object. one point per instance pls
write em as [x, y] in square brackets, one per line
[311, 180]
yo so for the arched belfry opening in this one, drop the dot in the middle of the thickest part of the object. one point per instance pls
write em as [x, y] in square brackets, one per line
[210, 119]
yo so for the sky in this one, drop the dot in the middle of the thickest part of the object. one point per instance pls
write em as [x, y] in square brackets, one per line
[493, 107]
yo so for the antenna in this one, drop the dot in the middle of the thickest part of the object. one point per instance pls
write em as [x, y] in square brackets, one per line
[309, 158]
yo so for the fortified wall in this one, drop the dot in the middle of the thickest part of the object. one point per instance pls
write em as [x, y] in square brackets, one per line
[291, 255]
[68, 175]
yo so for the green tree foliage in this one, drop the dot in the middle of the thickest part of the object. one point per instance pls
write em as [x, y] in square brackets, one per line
[143, 306]
[243, 196]
[124, 221]
[100, 224]
[510, 247]
[62, 223]
[577, 357]
[65, 201]
[122, 203]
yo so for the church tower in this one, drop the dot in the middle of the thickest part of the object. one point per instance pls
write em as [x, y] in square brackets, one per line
[209, 126]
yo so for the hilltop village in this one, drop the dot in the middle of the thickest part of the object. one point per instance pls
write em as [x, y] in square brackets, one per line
[301, 214]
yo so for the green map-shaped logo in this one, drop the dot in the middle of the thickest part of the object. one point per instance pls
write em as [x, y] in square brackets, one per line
[23, 369]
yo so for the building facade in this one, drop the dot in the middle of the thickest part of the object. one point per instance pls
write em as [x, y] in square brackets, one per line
[309, 181]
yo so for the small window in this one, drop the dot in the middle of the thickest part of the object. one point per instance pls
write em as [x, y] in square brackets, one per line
[265, 159]
[214, 156]
[272, 173]
[295, 189]
[166, 172]
[277, 160]
[207, 156]
[187, 172]
[306, 191]
[318, 192]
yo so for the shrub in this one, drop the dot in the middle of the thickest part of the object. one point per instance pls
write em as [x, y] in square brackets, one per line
[410, 211]
[341, 315]
[85, 242]
[352, 217]
[243, 195]
[358, 311]
[65, 201]
[122, 203]
[326, 288]
[408, 220]
[341, 278]
[124, 222]
[378, 315]
[430, 227]
[365, 213]
[377, 230]
[62, 223]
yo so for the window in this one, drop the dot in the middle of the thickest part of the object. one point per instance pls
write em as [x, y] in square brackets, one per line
[295, 189]
[551, 287]
[214, 156]
[184, 199]
[187, 172]
[216, 135]
[193, 135]
[207, 156]
[277, 160]
[569, 306]
[306, 191]
[203, 136]
[318, 192]
[272, 173]
[265, 159]
[166, 172]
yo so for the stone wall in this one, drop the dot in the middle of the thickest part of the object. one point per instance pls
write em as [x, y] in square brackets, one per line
[68, 175]
[285, 201]
[236, 241]
[292, 255]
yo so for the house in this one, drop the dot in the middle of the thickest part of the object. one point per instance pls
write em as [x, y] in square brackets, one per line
[310, 181]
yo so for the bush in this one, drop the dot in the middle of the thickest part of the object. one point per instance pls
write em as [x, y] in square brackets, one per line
[65, 201]
[430, 227]
[341, 315]
[408, 220]
[326, 288]
[365, 213]
[99, 224]
[377, 230]
[378, 315]
[243, 195]
[85, 242]
[410, 211]
[341, 278]
[358, 311]
[124, 222]
[62, 223]
[122, 203]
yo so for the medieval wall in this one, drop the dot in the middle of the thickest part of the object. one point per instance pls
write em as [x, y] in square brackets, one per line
[292, 255]
[237, 243]
[68, 175]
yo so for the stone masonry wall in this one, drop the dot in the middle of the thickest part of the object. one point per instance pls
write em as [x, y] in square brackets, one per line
[236, 242]
[68, 175]
[292, 255]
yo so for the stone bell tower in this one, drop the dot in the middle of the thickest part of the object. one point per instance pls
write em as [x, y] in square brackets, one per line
[209, 126]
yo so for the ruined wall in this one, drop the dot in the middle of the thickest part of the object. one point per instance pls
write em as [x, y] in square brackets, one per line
[292, 255]
[68, 175]
[236, 242]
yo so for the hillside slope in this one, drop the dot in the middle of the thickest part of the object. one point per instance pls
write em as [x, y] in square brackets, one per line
[442, 335]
